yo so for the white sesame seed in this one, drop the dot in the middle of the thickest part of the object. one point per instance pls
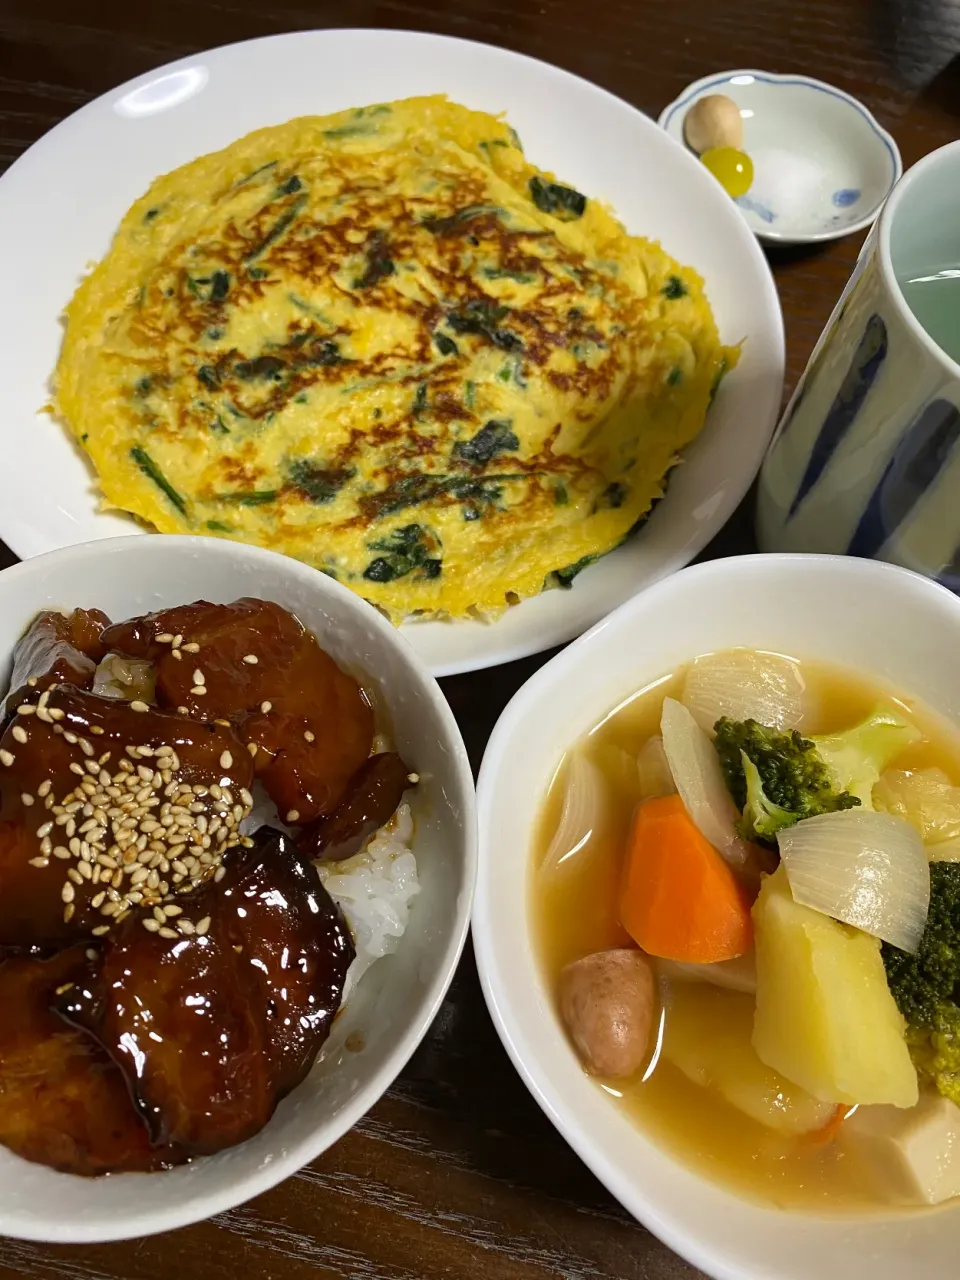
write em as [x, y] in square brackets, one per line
[226, 760]
[87, 750]
[159, 915]
[176, 654]
[198, 690]
[39, 862]
[68, 911]
[150, 925]
[203, 925]
[56, 714]
[60, 852]
[84, 869]
[67, 892]
[44, 787]
[199, 677]
[97, 729]
[70, 737]
[44, 715]
[26, 798]
[164, 638]
[46, 846]
[19, 733]
[293, 815]
[26, 709]
[91, 954]
[137, 705]
[167, 933]
[77, 768]
[44, 830]
[192, 647]
[239, 814]
[184, 711]
[172, 911]
[7, 757]
[252, 748]
[413, 777]
[219, 874]
[251, 658]
[100, 930]
[185, 926]
[177, 640]
[309, 736]
[75, 875]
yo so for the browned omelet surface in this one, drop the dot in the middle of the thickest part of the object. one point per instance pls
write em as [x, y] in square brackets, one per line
[382, 342]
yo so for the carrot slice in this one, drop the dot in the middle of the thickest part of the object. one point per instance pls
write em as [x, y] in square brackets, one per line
[680, 900]
[828, 1132]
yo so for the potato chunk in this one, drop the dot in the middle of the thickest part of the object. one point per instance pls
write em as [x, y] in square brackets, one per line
[707, 1036]
[825, 1017]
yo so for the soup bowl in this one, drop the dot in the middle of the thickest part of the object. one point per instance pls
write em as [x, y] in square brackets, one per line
[886, 623]
[395, 1002]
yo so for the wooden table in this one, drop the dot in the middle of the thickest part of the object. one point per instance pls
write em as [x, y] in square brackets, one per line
[456, 1172]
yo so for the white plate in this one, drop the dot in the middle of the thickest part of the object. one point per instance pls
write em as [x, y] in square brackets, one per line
[61, 202]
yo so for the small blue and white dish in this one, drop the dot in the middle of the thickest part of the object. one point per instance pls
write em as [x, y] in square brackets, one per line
[822, 164]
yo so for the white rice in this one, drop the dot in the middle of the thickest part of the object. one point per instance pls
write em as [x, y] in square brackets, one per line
[373, 889]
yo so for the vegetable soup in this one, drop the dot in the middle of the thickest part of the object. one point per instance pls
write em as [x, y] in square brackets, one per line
[743, 894]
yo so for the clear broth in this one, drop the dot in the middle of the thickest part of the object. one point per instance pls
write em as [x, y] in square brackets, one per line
[574, 912]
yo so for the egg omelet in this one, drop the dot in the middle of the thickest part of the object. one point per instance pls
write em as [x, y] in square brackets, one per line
[384, 343]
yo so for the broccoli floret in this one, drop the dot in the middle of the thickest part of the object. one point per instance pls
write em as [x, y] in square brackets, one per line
[935, 1052]
[856, 758]
[788, 781]
[926, 986]
[761, 817]
[922, 984]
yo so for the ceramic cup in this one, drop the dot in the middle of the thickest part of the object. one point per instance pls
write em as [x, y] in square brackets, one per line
[866, 458]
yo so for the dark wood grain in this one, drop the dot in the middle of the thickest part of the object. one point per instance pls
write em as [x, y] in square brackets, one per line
[456, 1172]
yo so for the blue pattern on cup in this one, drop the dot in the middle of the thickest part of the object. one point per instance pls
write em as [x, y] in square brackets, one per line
[846, 196]
[864, 367]
[920, 454]
[755, 206]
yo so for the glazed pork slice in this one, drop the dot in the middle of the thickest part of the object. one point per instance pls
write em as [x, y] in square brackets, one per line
[371, 799]
[63, 1102]
[252, 662]
[58, 648]
[107, 806]
[216, 1012]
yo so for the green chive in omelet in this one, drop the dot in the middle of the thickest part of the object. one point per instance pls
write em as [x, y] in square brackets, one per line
[384, 343]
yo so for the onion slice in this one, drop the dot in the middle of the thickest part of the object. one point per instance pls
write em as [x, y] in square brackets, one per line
[581, 814]
[867, 869]
[733, 975]
[654, 770]
[745, 685]
[696, 771]
[125, 678]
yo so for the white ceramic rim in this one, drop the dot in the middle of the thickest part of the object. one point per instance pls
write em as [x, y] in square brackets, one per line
[696, 87]
[575, 619]
[667, 1226]
[930, 161]
[237, 1191]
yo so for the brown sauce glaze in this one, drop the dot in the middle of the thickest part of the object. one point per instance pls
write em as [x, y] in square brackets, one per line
[90, 780]
[59, 648]
[63, 1102]
[372, 796]
[309, 722]
[212, 1029]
